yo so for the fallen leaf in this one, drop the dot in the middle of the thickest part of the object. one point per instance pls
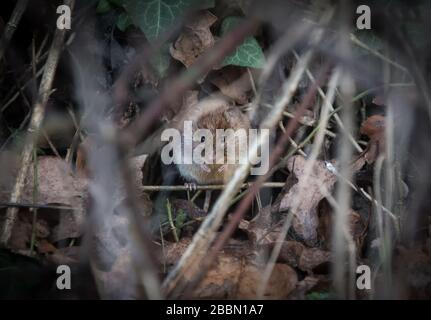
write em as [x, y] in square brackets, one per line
[222, 278]
[305, 220]
[261, 230]
[234, 274]
[358, 226]
[299, 256]
[303, 287]
[45, 247]
[312, 258]
[374, 128]
[281, 283]
[195, 39]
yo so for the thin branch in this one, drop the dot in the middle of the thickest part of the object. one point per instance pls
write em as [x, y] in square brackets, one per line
[34, 205]
[208, 187]
[12, 25]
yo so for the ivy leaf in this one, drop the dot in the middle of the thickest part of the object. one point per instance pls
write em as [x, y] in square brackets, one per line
[123, 21]
[247, 54]
[155, 17]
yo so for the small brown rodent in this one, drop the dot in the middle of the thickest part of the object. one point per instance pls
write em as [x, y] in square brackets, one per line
[212, 114]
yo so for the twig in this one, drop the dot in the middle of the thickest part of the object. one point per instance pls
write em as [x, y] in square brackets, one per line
[34, 127]
[303, 120]
[34, 205]
[35, 194]
[12, 25]
[207, 187]
[171, 222]
[359, 43]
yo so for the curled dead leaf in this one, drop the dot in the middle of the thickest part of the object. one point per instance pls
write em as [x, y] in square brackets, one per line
[281, 283]
[195, 39]
[374, 128]
[305, 220]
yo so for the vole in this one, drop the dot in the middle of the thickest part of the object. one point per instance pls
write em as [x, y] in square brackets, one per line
[212, 114]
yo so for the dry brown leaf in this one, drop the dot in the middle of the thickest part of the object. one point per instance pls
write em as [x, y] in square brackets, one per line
[234, 83]
[56, 184]
[305, 220]
[311, 258]
[374, 128]
[282, 282]
[291, 252]
[222, 279]
[234, 274]
[358, 227]
[45, 247]
[303, 287]
[195, 39]
[297, 255]
[260, 229]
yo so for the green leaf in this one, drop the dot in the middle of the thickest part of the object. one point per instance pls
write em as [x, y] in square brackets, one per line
[123, 21]
[103, 6]
[155, 17]
[247, 54]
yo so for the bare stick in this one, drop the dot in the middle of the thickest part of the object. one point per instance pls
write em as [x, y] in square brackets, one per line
[207, 187]
[34, 127]
[12, 25]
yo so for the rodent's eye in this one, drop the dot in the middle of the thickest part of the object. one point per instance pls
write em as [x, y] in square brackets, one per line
[203, 139]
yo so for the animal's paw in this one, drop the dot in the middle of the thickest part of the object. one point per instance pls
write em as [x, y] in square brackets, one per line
[191, 186]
